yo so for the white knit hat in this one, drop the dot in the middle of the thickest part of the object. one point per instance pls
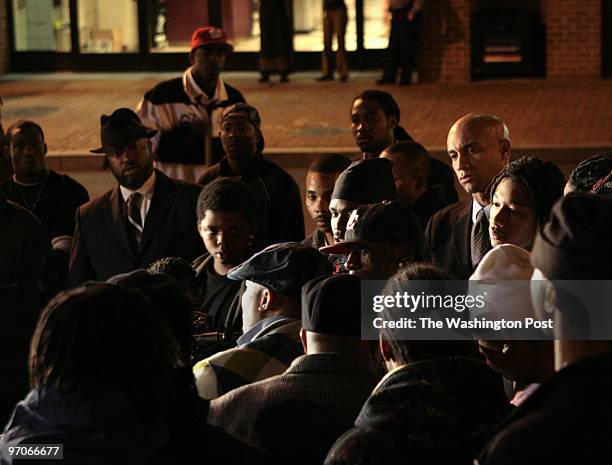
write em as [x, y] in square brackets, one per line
[510, 300]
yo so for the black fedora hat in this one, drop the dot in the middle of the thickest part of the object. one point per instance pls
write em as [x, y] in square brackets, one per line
[121, 129]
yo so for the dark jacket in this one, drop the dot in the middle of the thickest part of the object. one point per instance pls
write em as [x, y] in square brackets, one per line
[278, 200]
[103, 428]
[437, 411]
[432, 201]
[440, 173]
[214, 338]
[57, 204]
[24, 253]
[101, 247]
[447, 239]
[567, 420]
[24, 246]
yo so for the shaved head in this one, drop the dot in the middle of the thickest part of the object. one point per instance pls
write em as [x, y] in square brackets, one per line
[479, 147]
[482, 122]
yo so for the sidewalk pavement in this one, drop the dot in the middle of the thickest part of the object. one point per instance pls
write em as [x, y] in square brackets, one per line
[564, 121]
[305, 115]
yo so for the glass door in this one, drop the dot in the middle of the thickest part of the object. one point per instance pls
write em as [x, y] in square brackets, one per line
[108, 26]
[41, 25]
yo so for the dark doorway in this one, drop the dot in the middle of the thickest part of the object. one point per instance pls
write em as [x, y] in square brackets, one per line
[606, 37]
[508, 40]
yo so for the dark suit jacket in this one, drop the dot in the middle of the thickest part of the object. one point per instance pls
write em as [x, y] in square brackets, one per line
[101, 247]
[447, 239]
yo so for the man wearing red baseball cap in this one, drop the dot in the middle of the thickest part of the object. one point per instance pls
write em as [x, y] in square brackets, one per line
[184, 109]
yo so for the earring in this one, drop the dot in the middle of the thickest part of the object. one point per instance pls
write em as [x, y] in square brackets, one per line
[251, 237]
[505, 349]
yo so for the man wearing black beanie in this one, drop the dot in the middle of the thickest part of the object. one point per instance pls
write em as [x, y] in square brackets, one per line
[362, 183]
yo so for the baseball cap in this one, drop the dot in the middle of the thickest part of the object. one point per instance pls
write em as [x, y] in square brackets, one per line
[209, 35]
[283, 268]
[380, 222]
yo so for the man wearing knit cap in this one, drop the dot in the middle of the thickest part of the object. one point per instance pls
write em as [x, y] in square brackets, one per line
[573, 409]
[273, 280]
[362, 183]
[277, 196]
[323, 389]
[380, 239]
[457, 237]
[186, 110]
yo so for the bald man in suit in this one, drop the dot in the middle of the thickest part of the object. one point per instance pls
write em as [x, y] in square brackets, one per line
[456, 237]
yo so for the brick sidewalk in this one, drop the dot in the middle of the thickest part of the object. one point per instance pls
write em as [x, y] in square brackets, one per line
[314, 116]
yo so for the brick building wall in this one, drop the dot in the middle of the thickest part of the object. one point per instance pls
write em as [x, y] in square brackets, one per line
[445, 41]
[573, 37]
[4, 42]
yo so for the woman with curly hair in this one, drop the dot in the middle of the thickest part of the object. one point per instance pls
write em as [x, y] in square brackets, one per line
[521, 196]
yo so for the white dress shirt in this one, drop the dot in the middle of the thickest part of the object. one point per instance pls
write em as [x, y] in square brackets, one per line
[476, 207]
[147, 190]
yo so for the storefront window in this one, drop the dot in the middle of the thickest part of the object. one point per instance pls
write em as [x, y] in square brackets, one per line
[173, 23]
[308, 25]
[376, 24]
[41, 25]
[108, 26]
[241, 18]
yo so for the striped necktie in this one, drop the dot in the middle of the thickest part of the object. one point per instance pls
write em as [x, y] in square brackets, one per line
[134, 217]
[480, 242]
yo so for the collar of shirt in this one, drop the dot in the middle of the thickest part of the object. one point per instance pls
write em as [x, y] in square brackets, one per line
[256, 329]
[199, 98]
[147, 190]
[476, 207]
[197, 95]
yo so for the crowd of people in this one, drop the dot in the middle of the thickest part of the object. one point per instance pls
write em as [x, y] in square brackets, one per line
[167, 321]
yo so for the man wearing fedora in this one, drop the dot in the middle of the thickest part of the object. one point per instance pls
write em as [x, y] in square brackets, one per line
[146, 217]
[184, 109]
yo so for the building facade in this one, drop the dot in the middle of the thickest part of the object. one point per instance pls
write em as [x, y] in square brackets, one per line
[460, 39]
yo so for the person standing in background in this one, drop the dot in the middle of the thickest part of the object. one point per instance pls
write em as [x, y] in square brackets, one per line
[52, 197]
[406, 18]
[334, 22]
[184, 109]
[276, 53]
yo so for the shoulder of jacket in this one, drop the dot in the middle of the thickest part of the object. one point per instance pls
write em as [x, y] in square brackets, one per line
[168, 92]
[451, 212]
[96, 204]
[233, 94]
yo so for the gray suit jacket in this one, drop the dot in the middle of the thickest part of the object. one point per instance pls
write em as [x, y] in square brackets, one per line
[323, 392]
